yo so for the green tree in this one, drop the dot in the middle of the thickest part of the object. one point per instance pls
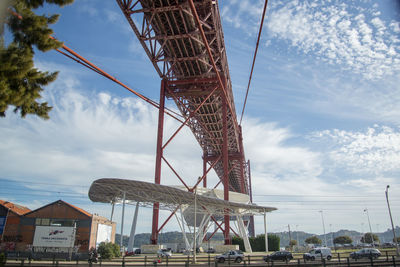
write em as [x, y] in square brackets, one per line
[344, 239]
[313, 240]
[21, 84]
[292, 243]
[368, 237]
[108, 250]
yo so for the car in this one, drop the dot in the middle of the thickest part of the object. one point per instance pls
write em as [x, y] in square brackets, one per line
[138, 251]
[231, 255]
[165, 252]
[371, 253]
[279, 255]
[129, 253]
[210, 250]
[318, 253]
[388, 245]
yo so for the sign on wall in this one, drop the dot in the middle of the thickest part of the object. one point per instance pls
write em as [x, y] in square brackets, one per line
[54, 236]
[103, 233]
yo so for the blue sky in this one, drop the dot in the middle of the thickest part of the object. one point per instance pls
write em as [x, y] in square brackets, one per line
[321, 126]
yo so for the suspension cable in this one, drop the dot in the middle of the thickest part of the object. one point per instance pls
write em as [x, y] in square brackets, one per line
[254, 59]
[81, 60]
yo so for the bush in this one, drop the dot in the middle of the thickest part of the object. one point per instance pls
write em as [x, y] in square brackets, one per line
[108, 250]
[3, 259]
[238, 241]
[258, 243]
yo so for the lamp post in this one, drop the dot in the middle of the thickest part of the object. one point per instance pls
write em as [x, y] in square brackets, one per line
[323, 225]
[297, 235]
[391, 220]
[370, 229]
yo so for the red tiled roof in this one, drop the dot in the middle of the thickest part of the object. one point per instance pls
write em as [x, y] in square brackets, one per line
[66, 203]
[79, 209]
[18, 209]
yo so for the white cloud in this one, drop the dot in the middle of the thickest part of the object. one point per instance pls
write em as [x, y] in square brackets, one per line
[265, 145]
[90, 136]
[355, 38]
[376, 151]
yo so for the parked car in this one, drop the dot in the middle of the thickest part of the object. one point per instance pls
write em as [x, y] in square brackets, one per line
[318, 253]
[232, 255]
[366, 253]
[211, 250]
[388, 245]
[129, 253]
[138, 251]
[279, 255]
[165, 252]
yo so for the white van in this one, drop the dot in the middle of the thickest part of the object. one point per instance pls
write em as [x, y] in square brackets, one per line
[318, 253]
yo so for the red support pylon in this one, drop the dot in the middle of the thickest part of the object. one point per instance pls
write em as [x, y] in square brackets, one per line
[225, 163]
[159, 154]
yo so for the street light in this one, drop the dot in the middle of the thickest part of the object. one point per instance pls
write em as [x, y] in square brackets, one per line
[391, 220]
[370, 229]
[323, 225]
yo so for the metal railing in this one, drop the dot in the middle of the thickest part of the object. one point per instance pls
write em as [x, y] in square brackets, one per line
[339, 259]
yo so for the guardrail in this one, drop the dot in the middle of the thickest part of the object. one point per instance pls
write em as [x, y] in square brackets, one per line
[339, 259]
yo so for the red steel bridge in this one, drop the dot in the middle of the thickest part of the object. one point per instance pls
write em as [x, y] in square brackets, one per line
[185, 43]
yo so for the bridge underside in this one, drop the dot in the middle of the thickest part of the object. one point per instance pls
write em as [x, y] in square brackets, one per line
[184, 41]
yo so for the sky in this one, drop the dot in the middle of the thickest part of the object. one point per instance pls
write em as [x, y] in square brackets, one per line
[321, 126]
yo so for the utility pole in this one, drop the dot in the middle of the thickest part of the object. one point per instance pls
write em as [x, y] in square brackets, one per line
[370, 229]
[391, 220]
[323, 225]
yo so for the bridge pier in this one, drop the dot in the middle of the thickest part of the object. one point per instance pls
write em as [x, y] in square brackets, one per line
[159, 154]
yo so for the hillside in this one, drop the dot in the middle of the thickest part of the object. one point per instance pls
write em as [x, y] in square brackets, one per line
[176, 237]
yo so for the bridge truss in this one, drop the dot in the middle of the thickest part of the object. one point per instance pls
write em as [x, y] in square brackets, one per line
[184, 41]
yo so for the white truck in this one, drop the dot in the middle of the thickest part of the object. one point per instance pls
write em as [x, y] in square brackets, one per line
[318, 253]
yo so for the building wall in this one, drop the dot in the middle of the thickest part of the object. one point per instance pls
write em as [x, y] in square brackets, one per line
[11, 235]
[57, 213]
[96, 220]
[19, 231]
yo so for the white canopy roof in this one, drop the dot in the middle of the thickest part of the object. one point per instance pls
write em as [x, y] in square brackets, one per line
[111, 190]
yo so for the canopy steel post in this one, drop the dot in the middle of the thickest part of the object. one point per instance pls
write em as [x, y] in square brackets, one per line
[112, 210]
[133, 229]
[225, 164]
[159, 154]
[122, 220]
[265, 231]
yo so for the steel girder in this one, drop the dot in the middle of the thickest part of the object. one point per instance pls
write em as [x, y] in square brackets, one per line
[192, 63]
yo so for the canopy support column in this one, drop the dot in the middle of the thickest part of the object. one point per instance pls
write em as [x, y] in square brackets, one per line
[122, 220]
[265, 231]
[133, 229]
[244, 235]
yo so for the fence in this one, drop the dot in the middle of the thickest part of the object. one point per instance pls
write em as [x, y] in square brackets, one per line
[339, 259]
